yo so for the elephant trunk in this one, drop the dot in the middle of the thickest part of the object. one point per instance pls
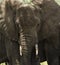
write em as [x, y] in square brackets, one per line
[28, 39]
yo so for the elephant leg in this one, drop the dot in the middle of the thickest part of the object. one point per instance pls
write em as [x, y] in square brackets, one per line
[15, 54]
[52, 60]
[41, 51]
[59, 60]
[51, 55]
[7, 63]
[12, 49]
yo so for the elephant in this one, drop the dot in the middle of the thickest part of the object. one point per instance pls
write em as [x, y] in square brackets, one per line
[13, 23]
[9, 35]
[49, 34]
[38, 23]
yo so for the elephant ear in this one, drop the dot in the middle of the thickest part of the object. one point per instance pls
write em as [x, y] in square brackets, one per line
[10, 17]
[2, 16]
[7, 19]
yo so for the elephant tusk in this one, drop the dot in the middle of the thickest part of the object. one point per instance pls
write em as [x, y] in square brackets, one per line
[20, 50]
[36, 47]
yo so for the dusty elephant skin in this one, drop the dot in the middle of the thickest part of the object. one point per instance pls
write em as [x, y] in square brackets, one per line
[49, 39]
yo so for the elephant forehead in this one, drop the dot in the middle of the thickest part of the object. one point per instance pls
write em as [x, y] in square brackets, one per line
[29, 16]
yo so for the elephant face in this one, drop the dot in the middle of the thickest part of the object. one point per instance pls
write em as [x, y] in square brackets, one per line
[29, 19]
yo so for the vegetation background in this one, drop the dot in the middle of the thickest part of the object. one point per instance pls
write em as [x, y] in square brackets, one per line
[43, 63]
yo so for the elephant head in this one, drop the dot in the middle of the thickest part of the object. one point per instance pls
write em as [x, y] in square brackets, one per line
[28, 16]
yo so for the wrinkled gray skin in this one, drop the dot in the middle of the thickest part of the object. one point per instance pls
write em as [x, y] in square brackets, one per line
[49, 39]
[9, 43]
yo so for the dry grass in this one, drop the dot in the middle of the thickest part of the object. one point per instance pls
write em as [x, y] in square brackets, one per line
[2, 64]
[44, 63]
